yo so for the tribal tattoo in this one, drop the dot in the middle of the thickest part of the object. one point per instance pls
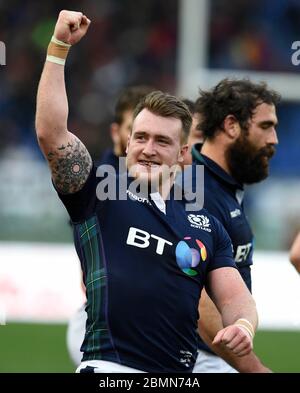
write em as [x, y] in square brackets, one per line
[70, 166]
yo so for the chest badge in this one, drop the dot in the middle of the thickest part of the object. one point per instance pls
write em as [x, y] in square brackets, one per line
[199, 221]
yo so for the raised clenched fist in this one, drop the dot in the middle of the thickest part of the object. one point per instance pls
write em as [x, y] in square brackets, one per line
[71, 26]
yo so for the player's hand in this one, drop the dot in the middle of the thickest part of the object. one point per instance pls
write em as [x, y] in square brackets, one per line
[236, 339]
[71, 26]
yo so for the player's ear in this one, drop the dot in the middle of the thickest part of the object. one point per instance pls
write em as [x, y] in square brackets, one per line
[231, 127]
[182, 152]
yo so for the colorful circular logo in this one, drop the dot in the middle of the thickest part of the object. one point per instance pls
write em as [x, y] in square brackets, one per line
[188, 258]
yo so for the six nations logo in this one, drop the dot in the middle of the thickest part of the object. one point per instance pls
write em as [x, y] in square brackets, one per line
[199, 221]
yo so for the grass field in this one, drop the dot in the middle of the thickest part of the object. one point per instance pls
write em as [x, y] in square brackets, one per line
[42, 348]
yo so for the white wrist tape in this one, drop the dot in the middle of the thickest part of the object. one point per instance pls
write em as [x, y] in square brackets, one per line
[245, 324]
[57, 51]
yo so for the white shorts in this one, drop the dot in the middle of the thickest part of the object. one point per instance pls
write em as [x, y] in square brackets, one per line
[103, 366]
[75, 334]
[208, 363]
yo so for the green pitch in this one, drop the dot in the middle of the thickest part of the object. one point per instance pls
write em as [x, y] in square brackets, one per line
[34, 348]
[279, 350]
[42, 348]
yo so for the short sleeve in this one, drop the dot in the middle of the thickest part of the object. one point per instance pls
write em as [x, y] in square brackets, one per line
[223, 250]
[81, 205]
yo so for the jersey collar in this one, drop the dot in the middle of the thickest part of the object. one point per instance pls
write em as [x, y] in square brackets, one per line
[199, 158]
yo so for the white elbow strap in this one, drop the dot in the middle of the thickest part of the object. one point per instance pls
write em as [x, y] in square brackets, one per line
[57, 51]
[244, 323]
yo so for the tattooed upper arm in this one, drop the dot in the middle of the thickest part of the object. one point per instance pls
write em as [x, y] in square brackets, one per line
[70, 164]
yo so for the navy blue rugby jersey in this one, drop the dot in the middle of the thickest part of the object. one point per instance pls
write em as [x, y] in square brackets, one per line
[223, 198]
[143, 271]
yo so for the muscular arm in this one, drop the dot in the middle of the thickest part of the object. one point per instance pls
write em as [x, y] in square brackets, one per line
[209, 324]
[68, 158]
[231, 296]
[295, 253]
[234, 302]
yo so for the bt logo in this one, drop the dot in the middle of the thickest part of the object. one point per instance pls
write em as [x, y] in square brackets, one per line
[187, 258]
[242, 252]
[139, 238]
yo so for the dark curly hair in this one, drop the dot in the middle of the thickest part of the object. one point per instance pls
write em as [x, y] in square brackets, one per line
[232, 97]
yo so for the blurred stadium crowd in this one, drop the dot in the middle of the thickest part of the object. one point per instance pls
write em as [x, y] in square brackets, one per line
[253, 34]
[133, 42]
[130, 43]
